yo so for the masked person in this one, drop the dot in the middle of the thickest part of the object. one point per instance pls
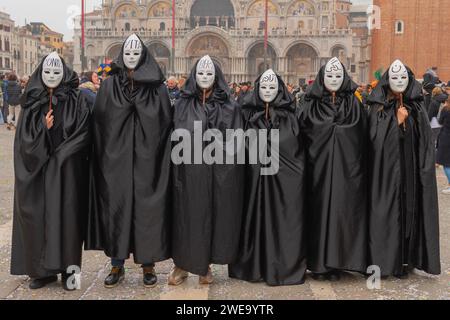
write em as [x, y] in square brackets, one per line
[244, 93]
[208, 194]
[51, 176]
[131, 165]
[273, 247]
[334, 124]
[404, 227]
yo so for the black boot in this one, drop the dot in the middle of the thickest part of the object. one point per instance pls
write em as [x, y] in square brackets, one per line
[404, 274]
[116, 276]
[42, 282]
[150, 278]
[333, 276]
[319, 276]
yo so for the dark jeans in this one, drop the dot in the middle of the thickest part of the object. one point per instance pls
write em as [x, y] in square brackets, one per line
[5, 111]
[118, 263]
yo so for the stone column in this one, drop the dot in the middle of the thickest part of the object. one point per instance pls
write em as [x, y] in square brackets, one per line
[77, 54]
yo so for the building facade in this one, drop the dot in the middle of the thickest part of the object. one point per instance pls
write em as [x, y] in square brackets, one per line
[6, 43]
[25, 51]
[68, 53]
[49, 40]
[303, 35]
[417, 32]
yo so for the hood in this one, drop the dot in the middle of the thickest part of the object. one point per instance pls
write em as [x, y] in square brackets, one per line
[441, 98]
[283, 100]
[88, 85]
[318, 89]
[221, 91]
[147, 71]
[36, 89]
[432, 73]
[381, 92]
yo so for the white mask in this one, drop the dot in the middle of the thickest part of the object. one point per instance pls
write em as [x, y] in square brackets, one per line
[398, 77]
[52, 71]
[334, 75]
[268, 86]
[206, 73]
[132, 52]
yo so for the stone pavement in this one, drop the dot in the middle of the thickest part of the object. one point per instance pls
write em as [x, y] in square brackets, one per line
[96, 267]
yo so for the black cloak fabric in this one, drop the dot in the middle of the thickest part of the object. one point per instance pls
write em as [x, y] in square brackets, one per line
[404, 217]
[208, 200]
[51, 179]
[335, 140]
[272, 247]
[130, 192]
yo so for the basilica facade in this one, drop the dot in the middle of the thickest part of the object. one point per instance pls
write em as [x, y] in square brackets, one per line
[303, 35]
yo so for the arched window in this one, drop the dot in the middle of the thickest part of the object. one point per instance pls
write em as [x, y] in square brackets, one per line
[127, 27]
[399, 27]
[162, 26]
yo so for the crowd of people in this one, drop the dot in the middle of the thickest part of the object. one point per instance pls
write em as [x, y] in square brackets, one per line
[355, 184]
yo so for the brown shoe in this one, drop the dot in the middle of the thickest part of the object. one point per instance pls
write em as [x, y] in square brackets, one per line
[208, 279]
[177, 276]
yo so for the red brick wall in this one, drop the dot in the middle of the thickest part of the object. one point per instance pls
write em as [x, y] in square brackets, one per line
[426, 38]
[341, 21]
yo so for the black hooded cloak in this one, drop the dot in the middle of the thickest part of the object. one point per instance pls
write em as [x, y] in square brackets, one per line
[335, 140]
[208, 200]
[272, 247]
[51, 178]
[130, 196]
[404, 214]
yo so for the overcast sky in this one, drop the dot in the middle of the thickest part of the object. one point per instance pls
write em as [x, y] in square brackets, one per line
[56, 14]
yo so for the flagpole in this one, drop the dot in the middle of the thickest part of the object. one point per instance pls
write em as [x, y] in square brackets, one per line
[83, 39]
[173, 37]
[266, 33]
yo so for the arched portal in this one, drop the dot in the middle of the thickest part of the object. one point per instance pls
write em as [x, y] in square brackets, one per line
[302, 63]
[255, 60]
[340, 53]
[258, 8]
[161, 54]
[127, 17]
[113, 52]
[301, 8]
[127, 10]
[160, 9]
[212, 45]
[219, 13]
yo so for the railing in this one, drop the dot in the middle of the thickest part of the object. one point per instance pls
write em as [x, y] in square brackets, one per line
[144, 33]
[95, 33]
[290, 32]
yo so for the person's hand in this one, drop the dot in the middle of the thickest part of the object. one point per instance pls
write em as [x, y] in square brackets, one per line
[50, 119]
[402, 115]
